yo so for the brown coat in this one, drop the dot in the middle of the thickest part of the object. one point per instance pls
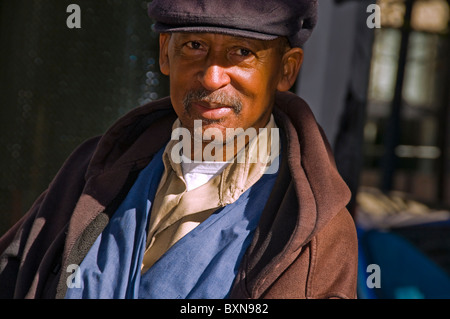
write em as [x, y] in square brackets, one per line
[305, 245]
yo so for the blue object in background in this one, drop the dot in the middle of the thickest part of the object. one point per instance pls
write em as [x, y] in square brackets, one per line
[406, 272]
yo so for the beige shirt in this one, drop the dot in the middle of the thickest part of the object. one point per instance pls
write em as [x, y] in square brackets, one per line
[177, 211]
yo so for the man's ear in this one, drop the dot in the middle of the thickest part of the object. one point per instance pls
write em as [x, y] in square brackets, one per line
[164, 53]
[291, 64]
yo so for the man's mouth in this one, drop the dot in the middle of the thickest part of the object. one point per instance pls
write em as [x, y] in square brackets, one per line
[212, 106]
[211, 111]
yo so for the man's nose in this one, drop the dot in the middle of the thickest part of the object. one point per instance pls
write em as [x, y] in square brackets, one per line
[214, 77]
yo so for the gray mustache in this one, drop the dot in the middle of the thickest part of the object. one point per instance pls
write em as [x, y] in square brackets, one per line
[216, 97]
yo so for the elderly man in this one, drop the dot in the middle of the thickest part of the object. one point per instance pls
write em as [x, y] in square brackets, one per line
[179, 199]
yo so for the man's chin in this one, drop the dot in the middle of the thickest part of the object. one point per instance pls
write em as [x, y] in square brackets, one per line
[211, 133]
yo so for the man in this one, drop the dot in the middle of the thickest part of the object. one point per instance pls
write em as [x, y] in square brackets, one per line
[178, 199]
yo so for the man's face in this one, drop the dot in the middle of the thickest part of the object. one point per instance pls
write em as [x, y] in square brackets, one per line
[225, 81]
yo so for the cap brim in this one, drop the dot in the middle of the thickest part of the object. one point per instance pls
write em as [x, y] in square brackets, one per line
[163, 28]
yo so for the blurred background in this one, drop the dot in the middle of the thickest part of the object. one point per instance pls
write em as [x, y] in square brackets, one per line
[381, 94]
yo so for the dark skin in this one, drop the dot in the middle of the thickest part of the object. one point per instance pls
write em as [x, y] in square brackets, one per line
[249, 70]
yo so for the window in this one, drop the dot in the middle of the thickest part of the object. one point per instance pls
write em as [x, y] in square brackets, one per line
[422, 146]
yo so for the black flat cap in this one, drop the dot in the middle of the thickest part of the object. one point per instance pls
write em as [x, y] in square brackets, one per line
[258, 19]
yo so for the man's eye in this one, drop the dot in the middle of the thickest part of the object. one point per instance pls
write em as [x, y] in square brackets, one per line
[194, 45]
[243, 52]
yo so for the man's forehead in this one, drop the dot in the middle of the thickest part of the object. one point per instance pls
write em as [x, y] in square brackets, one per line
[223, 38]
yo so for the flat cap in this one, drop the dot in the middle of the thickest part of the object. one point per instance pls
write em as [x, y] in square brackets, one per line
[257, 19]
